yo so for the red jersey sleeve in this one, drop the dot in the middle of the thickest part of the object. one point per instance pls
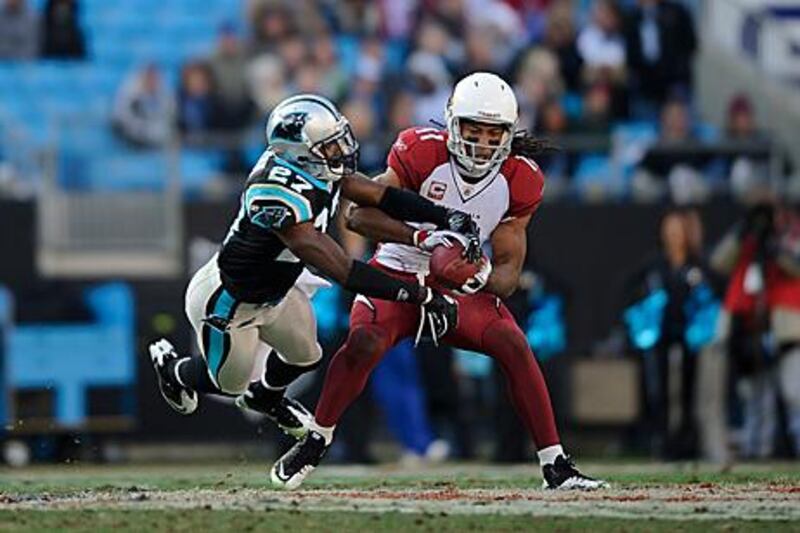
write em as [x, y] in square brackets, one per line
[415, 153]
[525, 185]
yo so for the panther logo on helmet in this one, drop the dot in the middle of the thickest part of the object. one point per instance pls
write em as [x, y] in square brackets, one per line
[291, 127]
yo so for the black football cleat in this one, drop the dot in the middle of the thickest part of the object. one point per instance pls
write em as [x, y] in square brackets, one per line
[293, 468]
[562, 475]
[288, 414]
[180, 398]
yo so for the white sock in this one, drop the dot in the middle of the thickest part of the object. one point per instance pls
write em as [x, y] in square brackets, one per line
[547, 456]
[325, 432]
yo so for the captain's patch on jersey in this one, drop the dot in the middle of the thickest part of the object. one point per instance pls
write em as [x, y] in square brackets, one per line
[437, 190]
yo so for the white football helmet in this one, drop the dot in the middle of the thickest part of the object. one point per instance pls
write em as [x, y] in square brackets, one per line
[482, 97]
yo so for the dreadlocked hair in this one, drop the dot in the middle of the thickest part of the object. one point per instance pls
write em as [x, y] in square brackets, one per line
[526, 144]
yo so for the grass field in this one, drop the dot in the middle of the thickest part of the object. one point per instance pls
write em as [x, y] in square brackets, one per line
[236, 497]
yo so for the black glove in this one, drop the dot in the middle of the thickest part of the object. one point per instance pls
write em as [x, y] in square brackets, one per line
[464, 224]
[438, 316]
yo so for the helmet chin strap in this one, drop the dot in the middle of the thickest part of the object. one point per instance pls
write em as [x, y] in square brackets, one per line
[470, 177]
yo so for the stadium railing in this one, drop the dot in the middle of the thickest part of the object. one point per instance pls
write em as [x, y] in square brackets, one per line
[108, 213]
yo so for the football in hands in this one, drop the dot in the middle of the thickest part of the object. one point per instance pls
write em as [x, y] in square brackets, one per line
[449, 268]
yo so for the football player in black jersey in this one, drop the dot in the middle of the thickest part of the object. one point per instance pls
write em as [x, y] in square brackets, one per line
[247, 294]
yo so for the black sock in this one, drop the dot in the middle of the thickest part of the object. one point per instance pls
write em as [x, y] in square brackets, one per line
[261, 395]
[279, 374]
[193, 374]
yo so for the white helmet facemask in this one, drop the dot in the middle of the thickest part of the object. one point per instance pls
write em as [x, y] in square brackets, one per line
[468, 153]
[486, 99]
[339, 152]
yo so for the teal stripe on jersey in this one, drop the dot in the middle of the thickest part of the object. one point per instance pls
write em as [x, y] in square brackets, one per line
[224, 308]
[319, 184]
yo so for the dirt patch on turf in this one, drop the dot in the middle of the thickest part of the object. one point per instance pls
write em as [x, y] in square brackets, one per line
[692, 502]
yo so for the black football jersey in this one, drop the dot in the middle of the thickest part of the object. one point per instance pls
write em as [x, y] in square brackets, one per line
[255, 265]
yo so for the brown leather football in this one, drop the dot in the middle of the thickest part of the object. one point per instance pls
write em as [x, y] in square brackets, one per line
[449, 268]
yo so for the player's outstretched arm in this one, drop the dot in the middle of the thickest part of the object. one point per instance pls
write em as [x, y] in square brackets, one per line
[386, 194]
[320, 251]
[380, 225]
[377, 226]
[439, 313]
[373, 223]
[509, 246]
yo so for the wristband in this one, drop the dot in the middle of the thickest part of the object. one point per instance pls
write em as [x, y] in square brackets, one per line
[411, 207]
[369, 281]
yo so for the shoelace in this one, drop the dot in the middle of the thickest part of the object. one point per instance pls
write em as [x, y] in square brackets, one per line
[282, 416]
[573, 471]
[305, 453]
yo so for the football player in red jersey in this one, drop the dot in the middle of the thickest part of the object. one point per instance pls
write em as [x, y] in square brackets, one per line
[481, 166]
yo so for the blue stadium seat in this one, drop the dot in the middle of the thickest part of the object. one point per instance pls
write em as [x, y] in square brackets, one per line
[396, 53]
[37, 97]
[92, 139]
[29, 123]
[631, 140]
[131, 171]
[70, 358]
[707, 132]
[114, 54]
[100, 83]
[110, 14]
[572, 103]
[198, 168]
[347, 48]
[594, 178]
[253, 151]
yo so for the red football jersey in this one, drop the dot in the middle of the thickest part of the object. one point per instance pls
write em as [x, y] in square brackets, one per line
[423, 164]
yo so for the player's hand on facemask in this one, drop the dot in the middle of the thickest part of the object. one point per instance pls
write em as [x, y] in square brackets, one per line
[464, 224]
[479, 280]
[438, 316]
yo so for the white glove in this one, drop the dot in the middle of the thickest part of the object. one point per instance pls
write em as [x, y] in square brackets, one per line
[428, 240]
[479, 280]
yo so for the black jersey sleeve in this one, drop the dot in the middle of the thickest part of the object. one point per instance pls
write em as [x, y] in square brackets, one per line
[278, 199]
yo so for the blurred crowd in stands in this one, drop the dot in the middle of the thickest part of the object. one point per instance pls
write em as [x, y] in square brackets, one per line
[54, 33]
[610, 81]
[718, 332]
